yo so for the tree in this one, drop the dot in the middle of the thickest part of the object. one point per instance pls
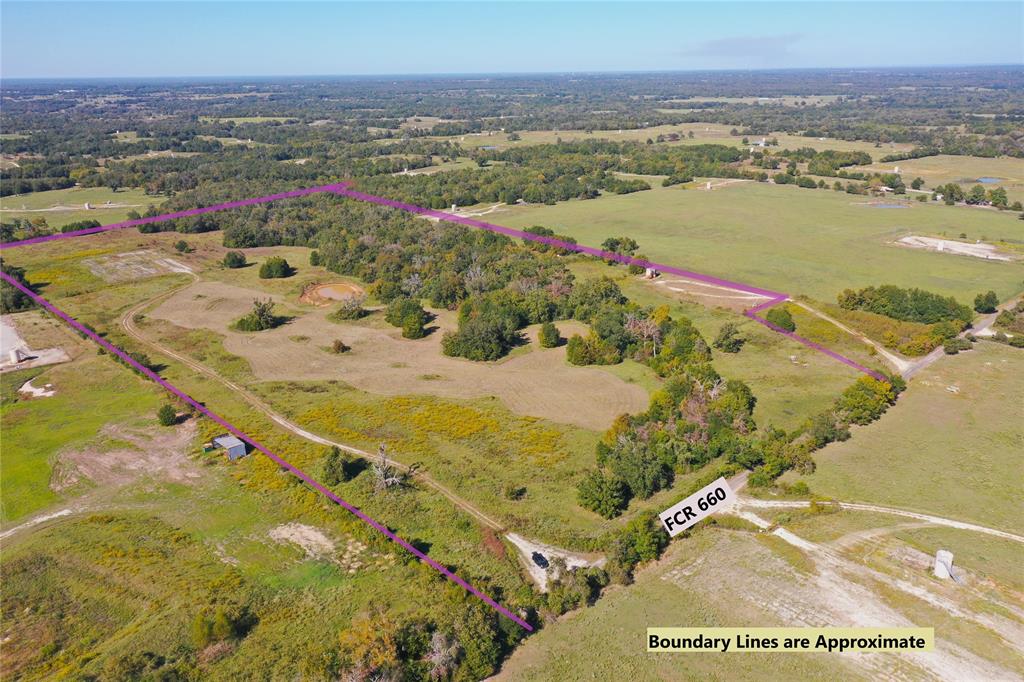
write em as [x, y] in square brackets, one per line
[729, 339]
[917, 183]
[275, 267]
[976, 195]
[351, 307]
[385, 474]
[167, 415]
[234, 259]
[782, 318]
[13, 299]
[986, 303]
[444, 652]
[339, 466]
[549, 335]
[603, 494]
[181, 246]
[262, 317]
[412, 327]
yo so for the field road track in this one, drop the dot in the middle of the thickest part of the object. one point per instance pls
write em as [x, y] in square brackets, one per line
[129, 325]
[936, 520]
[898, 363]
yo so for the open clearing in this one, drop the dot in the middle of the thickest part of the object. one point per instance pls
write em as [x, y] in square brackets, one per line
[735, 578]
[703, 133]
[537, 383]
[123, 455]
[12, 339]
[126, 266]
[789, 239]
[62, 206]
[1004, 171]
[951, 446]
[955, 248]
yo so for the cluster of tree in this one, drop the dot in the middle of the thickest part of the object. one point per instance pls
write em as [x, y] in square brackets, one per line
[408, 314]
[911, 305]
[977, 195]
[12, 299]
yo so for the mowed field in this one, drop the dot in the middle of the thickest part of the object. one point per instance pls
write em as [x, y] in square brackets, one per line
[953, 445]
[1004, 171]
[789, 239]
[703, 133]
[733, 578]
[62, 206]
[537, 382]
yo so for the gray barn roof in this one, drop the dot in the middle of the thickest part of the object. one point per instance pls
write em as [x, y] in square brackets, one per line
[227, 441]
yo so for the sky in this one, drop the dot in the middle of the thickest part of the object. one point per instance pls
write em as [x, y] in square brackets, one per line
[44, 39]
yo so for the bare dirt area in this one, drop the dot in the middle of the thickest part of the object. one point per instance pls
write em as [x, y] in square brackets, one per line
[134, 454]
[537, 382]
[708, 295]
[953, 247]
[131, 265]
[534, 554]
[811, 585]
[17, 331]
[321, 295]
[354, 556]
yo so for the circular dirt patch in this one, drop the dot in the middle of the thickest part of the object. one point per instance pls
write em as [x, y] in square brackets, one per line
[325, 294]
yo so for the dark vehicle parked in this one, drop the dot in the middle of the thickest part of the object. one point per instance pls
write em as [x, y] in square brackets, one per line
[539, 559]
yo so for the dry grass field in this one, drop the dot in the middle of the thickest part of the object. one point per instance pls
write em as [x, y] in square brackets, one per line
[532, 381]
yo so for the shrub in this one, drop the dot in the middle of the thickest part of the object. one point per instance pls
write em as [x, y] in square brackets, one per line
[400, 309]
[234, 259]
[262, 317]
[781, 317]
[338, 347]
[486, 337]
[181, 246]
[275, 267]
[549, 336]
[339, 466]
[606, 495]
[412, 327]
[986, 303]
[351, 308]
[954, 346]
[728, 339]
[865, 401]
[592, 350]
[1017, 341]
[167, 415]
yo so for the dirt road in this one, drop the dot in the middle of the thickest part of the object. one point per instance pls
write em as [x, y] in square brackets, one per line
[937, 520]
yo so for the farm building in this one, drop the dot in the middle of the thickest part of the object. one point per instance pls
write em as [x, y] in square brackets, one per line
[234, 447]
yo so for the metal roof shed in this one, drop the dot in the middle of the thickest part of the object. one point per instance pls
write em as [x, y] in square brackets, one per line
[235, 448]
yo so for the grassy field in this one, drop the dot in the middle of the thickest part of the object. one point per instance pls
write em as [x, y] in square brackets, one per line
[954, 453]
[247, 119]
[62, 206]
[703, 133]
[790, 239]
[91, 392]
[964, 170]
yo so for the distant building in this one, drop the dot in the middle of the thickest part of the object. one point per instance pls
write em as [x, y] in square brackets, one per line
[650, 273]
[234, 447]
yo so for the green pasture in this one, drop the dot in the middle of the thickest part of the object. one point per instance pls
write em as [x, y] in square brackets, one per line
[62, 206]
[951, 446]
[788, 239]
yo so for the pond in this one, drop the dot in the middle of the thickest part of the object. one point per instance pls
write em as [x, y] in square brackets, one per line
[988, 180]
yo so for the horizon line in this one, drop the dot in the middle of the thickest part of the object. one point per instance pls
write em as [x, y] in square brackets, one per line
[506, 74]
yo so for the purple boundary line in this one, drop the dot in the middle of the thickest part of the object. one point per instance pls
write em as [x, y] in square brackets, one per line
[774, 297]
[174, 390]
[179, 214]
